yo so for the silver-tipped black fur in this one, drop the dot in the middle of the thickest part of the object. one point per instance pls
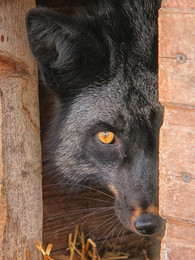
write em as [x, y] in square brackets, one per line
[102, 66]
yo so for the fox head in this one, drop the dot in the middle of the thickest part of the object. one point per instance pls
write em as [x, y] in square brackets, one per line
[101, 65]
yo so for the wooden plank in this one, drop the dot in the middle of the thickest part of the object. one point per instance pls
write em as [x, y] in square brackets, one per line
[184, 4]
[178, 203]
[177, 151]
[178, 242]
[177, 135]
[177, 162]
[177, 58]
[20, 150]
[177, 94]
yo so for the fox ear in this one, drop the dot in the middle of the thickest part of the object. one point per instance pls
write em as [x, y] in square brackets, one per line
[68, 53]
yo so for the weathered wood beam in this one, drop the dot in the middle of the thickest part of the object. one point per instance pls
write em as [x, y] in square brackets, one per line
[177, 146]
[20, 149]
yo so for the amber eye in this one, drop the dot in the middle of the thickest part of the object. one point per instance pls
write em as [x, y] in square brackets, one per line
[106, 137]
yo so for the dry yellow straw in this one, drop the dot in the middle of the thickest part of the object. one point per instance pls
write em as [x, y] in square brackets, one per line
[45, 253]
[93, 248]
[72, 248]
[83, 246]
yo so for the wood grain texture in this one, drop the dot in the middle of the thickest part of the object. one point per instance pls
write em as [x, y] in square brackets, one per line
[177, 135]
[177, 58]
[179, 241]
[20, 150]
[184, 4]
[13, 40]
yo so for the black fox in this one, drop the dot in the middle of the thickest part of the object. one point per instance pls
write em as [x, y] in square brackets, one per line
[101, 64]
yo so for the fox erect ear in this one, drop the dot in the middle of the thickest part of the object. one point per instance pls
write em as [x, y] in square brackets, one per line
[68, 53]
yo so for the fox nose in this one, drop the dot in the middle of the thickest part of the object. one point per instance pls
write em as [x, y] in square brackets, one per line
[148, 224]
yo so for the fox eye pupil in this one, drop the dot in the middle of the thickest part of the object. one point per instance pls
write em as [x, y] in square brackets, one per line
[106, 137]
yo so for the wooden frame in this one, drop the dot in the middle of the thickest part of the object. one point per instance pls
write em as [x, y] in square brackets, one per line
[20, 150]
[177, 145]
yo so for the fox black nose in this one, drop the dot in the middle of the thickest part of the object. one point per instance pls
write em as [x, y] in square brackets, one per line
[148, 224]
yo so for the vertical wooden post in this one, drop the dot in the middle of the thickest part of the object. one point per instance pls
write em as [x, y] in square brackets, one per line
[20, 150]
[177, 138]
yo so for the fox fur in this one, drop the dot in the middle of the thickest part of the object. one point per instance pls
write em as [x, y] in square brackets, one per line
[102, 65]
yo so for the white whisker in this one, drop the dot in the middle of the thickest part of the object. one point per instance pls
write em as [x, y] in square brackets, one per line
[117, 238]
[101, 224]
[62, 214]
[97, 200]
[81, 186]
[123, 235]
[76, 221]
[112, 230]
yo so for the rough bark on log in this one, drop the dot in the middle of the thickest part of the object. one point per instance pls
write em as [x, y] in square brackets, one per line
[20, 150]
